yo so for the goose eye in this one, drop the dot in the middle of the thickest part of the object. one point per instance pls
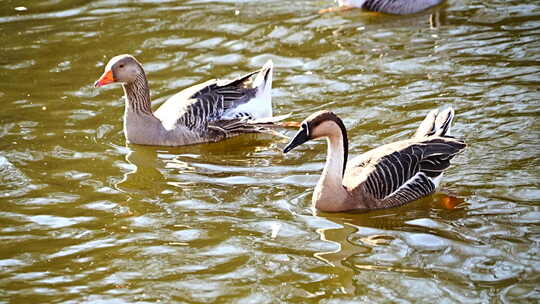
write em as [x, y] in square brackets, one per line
[121, 66]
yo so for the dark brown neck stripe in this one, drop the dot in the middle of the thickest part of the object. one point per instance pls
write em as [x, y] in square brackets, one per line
[330, 116]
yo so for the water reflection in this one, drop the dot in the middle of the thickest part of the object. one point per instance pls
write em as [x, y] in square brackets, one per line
[432, 18]
[142, 178]
[369, 241]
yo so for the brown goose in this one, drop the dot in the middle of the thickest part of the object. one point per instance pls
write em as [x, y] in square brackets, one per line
[396, 7]
[207, 112]
[387, 176]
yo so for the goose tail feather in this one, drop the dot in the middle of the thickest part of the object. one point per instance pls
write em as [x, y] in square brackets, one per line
[263, 83]
[443, 122]
[244, 125]
[435, 124]
[276, 122]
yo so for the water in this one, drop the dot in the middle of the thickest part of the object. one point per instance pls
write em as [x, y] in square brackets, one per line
[86, 218]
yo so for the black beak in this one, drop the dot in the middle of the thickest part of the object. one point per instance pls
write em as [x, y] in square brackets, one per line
[300, 138]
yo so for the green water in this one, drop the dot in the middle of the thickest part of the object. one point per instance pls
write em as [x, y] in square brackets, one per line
[85, 218]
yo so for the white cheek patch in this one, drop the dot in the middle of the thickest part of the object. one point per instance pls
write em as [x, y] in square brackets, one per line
[109, 65]
[112, 62]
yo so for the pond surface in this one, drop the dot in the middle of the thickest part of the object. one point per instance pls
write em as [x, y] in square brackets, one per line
[85, 218]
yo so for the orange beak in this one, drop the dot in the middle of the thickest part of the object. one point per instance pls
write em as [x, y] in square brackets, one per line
[106, 78]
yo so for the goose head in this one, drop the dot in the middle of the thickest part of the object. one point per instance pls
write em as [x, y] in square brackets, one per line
[122, 68]
[318, 125]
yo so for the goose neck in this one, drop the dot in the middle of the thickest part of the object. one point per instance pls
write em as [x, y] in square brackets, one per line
[330, 195]
[138, 96]
[335, 159]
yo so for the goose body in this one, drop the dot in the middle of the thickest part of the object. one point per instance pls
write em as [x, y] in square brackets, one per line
[206, 112]
[387, 176]
[397, 7]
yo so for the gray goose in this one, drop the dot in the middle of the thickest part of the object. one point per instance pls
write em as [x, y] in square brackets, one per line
[387, 176]
[396, 7]
[206, 112]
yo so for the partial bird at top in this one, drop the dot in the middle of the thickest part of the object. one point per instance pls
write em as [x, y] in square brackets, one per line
[396, 7]
[206, 112]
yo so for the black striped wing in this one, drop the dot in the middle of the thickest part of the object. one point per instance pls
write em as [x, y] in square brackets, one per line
[407, 174]
[210, 102]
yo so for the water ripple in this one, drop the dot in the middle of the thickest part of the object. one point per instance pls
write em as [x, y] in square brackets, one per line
[87, 218]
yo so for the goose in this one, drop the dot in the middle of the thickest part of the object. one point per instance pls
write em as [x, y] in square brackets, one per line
[395, 7]
[206, 112]
[388, 176]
